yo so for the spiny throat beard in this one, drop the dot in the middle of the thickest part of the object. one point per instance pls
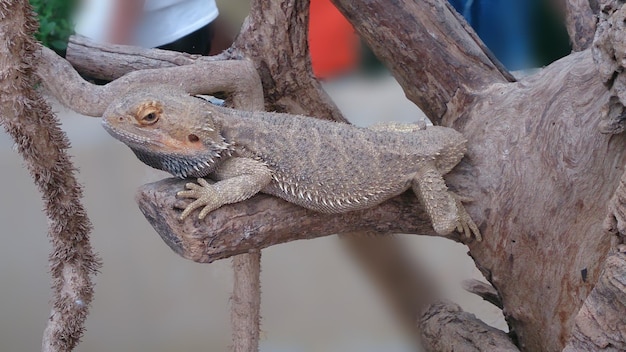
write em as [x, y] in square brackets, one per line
[186, 165]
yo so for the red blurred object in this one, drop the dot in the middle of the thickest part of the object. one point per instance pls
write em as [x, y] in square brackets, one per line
[333, 44]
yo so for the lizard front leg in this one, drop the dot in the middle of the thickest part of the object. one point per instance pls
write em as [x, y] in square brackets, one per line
[237, 179]
[444, 208]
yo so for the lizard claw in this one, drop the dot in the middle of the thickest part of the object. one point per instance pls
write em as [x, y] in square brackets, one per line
[465, 224]
[205, 196]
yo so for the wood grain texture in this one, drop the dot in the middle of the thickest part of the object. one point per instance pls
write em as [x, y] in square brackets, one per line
[599, 326]
[540, 174]
[580, 22]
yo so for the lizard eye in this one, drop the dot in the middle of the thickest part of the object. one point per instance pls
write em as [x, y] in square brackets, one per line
[150, 118]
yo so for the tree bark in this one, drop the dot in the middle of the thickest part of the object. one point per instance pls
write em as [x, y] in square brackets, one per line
[264, 221]
[246, 301]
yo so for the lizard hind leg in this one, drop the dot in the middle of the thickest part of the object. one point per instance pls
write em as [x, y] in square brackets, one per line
[445, 210]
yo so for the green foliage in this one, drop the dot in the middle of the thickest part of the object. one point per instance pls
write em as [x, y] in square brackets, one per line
[55, 24]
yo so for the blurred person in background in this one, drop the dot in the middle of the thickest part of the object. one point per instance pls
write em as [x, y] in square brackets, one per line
[520, 33]
[190, 26]
[333, 44]
[504, 26]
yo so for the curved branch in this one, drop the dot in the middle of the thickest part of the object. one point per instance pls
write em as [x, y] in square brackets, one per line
[109, 62]
[236, 77]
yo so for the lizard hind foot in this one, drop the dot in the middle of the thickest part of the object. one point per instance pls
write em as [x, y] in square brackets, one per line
[465, 224]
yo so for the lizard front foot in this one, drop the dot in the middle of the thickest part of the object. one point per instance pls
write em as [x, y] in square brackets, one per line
[205, 196]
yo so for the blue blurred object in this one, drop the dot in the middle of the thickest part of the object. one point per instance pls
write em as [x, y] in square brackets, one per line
[505, 26]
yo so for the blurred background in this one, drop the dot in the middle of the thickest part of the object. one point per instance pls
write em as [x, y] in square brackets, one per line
[315, 296]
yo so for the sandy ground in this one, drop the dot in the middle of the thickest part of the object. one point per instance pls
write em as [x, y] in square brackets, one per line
[315, 298]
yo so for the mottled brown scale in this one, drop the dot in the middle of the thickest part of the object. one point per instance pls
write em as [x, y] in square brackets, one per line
[321, 165]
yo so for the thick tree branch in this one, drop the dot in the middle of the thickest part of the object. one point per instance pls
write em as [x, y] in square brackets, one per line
[600, 324]
[453, 63]
[287, 77]
[531, 151]
[263, 221]
[109, 62]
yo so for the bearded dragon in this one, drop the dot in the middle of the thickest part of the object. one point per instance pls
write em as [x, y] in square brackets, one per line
[325, 166]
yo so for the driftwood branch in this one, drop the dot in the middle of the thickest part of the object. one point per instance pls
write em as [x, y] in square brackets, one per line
[246, 300]
[287, 78]
[600, 324]
[447, 328]
[28, 119]
[263, 221]
[108, 61]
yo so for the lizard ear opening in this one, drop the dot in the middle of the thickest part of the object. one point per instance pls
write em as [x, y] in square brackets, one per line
[193, 138]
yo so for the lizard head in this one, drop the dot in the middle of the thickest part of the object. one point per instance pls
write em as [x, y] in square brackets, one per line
[167, 129]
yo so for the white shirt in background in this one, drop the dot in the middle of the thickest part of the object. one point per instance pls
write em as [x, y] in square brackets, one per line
[162, 22]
